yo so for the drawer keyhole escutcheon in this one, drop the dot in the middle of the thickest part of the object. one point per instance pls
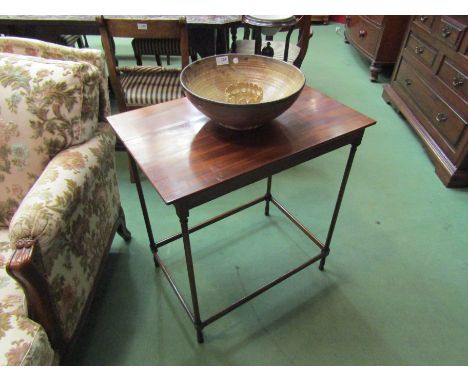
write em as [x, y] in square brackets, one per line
[446, 31]
[408, 82]
[362, 33]
[441, 117]
[458, 81]
[419, 50]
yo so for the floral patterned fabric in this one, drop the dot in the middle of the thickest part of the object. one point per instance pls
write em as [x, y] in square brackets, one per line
[23, 342]
[12, 299]
[45, 107]
[31, 47]
[70, 212]
[5, 247]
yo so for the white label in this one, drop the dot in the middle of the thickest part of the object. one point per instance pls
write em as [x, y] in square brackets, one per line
[141, 26]
[223, 60]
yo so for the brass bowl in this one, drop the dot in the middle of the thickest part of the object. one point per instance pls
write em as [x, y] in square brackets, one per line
[242, 91]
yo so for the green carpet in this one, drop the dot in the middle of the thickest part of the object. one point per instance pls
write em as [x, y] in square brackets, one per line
[395, 287]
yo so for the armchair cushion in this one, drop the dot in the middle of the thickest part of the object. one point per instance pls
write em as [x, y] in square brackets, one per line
[46, 106]
[31, 47]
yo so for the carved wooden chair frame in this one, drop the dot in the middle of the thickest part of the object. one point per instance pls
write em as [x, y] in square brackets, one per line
[41, 309]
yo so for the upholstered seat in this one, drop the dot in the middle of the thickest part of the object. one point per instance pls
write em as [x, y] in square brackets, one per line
[142, 87]
[26, 341]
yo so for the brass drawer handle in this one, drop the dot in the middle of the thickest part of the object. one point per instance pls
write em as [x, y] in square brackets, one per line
[419, 50]
[458, 81]
[423, 19]
[446, 31]
[362, 33]
[441, 117]
[408, 82]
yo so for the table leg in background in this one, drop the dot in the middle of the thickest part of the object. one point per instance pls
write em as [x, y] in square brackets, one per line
[268, 197]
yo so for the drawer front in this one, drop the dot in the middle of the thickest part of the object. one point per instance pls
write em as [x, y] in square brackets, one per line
[424, 21]
[363, 33]
[449, 31]
[454, 78]
[421, 50]
[442, 118]
[376, 19]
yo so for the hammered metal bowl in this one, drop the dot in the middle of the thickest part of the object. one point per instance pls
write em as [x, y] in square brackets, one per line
[242, 91]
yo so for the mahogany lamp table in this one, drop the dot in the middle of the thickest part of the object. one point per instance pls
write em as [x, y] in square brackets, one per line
[190, 160]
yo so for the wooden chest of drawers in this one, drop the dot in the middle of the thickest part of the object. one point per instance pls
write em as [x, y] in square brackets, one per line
[378, 38]
[429, 88]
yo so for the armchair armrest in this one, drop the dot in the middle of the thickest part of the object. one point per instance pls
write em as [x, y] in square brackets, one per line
[67, 222]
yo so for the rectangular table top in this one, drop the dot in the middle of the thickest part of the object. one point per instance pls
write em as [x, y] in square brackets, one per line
[190, 159]
[216, 20]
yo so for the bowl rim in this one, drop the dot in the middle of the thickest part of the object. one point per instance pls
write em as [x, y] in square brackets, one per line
[243, 104]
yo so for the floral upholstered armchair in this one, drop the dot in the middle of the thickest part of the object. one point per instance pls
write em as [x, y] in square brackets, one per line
[59, 201]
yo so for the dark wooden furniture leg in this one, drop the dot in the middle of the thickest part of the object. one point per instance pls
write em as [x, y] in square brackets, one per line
[268, 197]
[157, 57]
[183, 214]
[130, 170]
[141, 196]
[349, 163]
[375, 69]
[138, 59]
[234, 39]
[257, 35]
[122, 229]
